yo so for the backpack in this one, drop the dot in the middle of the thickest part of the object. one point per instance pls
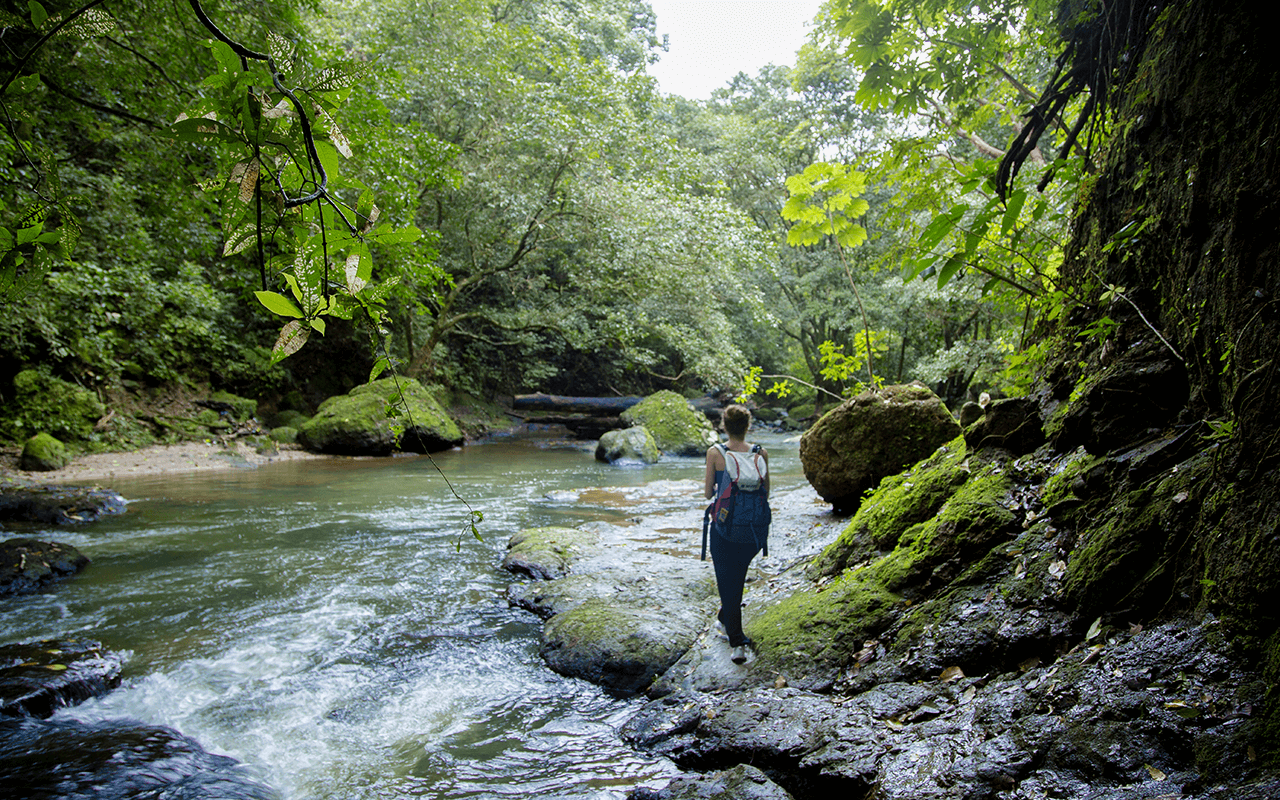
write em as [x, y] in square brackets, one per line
[739, 510]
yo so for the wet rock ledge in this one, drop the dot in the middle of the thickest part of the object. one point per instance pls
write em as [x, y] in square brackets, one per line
[110, 760]
[965, 635]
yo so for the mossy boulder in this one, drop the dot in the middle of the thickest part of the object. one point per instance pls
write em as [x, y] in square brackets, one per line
[872, 436]
[379, 418]
[630, 445]
[46, 404]
[546, 553]
[812, 633]
[43, 453]
[676, 428]
[624, 631]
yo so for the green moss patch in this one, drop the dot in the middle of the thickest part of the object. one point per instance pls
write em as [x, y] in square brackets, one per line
[826, 626]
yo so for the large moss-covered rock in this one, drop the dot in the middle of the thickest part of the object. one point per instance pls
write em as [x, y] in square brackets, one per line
[43, 403]
[622, 631]
[630, 445]
[379, 418]
[43, 453]
[676, 428]
[870, 437]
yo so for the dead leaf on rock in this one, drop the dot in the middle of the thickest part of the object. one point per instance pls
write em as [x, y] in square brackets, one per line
[951, 675]
[1057, 569]
[55, 667]
[1156, 775]
[779, 682]
[1094, 629]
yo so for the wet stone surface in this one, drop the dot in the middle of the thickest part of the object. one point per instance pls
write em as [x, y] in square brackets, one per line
[39, 678]
[1158, 713]
[56, 505]
[116, 760]
[29, 565]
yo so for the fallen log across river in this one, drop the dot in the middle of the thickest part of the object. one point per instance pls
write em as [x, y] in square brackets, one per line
[578, 405]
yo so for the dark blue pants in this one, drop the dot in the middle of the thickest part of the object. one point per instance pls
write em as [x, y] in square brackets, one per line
[731, 560]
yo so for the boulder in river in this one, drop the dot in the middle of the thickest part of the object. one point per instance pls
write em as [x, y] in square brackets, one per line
[29, 565]
[546, 553]
[379, 418]
[631, 445]
[624, 631]
[743, 782]
[871, 436]
[676, 427]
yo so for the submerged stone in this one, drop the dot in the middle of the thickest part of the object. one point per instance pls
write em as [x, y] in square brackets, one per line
[28, 565]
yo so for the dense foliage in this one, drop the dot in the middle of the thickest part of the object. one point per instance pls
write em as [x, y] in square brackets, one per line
[498, 198]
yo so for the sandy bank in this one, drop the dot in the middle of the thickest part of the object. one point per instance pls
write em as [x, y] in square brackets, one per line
[158, 459]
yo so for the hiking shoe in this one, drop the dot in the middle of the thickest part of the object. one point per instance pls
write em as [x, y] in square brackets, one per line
[738, 655]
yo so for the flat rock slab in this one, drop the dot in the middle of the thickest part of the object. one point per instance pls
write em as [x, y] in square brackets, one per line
[57, 505]
[39, 678]
[116, 760]
[29, 565]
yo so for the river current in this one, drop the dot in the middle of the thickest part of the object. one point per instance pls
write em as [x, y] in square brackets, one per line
[334, 625]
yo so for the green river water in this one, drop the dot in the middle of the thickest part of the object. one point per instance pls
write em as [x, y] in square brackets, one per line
[333, 625]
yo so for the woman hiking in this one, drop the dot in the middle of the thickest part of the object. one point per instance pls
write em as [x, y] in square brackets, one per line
[739, 528]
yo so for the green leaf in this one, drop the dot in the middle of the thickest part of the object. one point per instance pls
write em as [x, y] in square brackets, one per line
[278, 304]
[379, 366]
[202, 130]
[1016, 200]
[948, 271]
[38, 14]
[387, 234]
[940, 227]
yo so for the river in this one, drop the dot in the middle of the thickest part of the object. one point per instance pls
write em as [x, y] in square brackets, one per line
[335, 626]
